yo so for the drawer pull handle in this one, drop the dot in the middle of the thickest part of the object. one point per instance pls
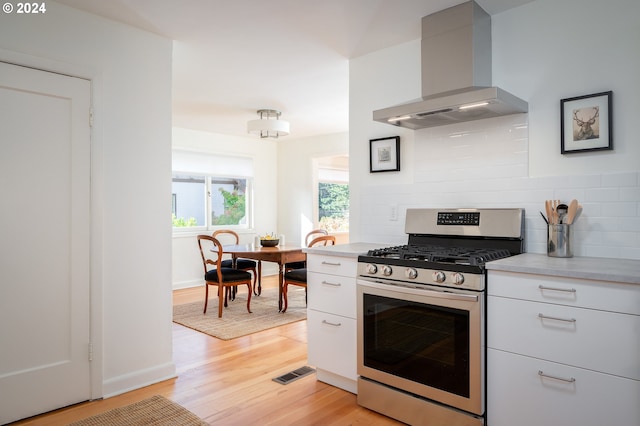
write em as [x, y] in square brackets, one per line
[331, 263]
[542, 316]
[332, 323]
[566, 290]
[569, 380]
[331, 284]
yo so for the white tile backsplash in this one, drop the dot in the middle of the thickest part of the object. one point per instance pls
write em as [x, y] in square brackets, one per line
[630, 193]
[631, 224]
[582, 181]
[602, 195]
[485, 164]
[620, 209]
[620, 179]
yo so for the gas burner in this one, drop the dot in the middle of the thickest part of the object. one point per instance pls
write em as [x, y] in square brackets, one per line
[449, 255]
[388, 252]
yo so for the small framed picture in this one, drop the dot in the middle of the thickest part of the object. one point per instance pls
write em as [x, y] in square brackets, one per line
[384, 154]
[586, 123]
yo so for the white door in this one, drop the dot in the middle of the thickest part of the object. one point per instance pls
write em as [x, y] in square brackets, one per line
[44, 241]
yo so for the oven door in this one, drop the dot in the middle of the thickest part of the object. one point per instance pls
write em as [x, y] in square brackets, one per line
[424, 341]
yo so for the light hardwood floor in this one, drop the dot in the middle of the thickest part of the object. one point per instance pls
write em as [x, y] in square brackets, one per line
[230, 382]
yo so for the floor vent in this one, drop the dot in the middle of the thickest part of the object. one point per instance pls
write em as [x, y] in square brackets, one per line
[294, 375]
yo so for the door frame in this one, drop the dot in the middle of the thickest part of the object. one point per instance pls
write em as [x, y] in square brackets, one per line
[94, 76]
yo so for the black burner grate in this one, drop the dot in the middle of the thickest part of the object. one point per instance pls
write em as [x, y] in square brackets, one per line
[455, 255]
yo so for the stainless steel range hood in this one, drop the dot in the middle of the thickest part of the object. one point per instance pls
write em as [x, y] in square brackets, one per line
[456, 73]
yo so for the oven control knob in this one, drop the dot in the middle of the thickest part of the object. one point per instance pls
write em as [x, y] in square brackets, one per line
[458, 278]
[439, 276]
[411, 273]
[386, 270]
[371, 268]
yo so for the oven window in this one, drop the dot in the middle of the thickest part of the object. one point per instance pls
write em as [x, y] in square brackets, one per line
[423, 343]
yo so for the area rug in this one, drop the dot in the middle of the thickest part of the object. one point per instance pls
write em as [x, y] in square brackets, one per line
[236, 321]
[156, 411]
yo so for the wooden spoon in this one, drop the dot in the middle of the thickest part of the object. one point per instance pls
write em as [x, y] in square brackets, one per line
[571, 212]
[554, 207]
[547, 207]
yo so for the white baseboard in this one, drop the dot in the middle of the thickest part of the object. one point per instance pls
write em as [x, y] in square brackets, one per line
[177, 285]
[138, 379]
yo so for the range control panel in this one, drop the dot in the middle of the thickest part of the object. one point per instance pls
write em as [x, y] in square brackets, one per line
[459, 218]
[391, 274]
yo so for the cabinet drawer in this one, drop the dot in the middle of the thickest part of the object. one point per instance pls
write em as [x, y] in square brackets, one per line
[333, 265]
[518, 395]
[606, 296]
[332, 293]
[333, 346]
[598, 340]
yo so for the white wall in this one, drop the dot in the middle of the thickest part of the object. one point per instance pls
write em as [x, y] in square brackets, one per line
[543, 51]
[130, 72]
[550, 50]
[297, 180]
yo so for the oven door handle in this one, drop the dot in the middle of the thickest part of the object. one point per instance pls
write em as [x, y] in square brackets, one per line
[420, 291]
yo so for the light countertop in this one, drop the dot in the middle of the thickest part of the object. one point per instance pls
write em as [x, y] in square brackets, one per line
[592, 268]
[344, 250]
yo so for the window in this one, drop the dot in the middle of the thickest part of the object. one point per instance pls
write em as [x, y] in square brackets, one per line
[228, 201]
[333, 206]
[333, 194]
[188, 201]
[208, 200]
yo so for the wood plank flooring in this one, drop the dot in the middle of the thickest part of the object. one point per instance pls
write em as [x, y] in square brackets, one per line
[230, 382]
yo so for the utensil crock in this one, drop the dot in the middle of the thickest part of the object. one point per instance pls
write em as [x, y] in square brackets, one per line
[559, 240]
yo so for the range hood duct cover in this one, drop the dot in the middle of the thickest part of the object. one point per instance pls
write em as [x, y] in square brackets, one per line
[456, 72]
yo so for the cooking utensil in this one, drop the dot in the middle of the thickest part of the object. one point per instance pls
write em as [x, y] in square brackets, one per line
[561, 209]
[578, 213]
[547, 206]
[571, 212]
[545, 219]
[554, 207]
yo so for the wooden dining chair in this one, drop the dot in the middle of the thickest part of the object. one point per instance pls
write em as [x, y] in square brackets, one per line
[313, 234]
[307, 240]
[211, 253]
[299, 276]
[242, 264]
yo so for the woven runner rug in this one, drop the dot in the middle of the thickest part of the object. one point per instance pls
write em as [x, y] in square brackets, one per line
[155, 411]
[236, 321]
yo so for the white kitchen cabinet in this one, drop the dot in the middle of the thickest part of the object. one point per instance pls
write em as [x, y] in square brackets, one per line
[329, 349]
[332, 293]
[519, 396]
[331, 319]
[597, 340]
[562, 351]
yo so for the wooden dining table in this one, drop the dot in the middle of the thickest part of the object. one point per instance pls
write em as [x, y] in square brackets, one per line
[278, 254]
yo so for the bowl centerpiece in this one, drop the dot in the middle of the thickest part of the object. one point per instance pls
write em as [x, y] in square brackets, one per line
[269, 241]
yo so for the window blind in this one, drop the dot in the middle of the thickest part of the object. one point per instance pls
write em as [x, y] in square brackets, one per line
[212, 164]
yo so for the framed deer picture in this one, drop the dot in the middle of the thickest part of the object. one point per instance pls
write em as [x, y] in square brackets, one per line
[586, 123]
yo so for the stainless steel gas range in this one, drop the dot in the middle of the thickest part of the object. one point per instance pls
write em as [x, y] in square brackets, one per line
[421, 315]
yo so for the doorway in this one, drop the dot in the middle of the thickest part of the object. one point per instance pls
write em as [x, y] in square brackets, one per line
[331, 195]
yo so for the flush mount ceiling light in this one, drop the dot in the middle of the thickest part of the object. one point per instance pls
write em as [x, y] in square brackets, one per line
[269, 125]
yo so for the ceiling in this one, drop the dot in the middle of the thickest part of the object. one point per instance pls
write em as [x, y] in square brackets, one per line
[233, 57]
